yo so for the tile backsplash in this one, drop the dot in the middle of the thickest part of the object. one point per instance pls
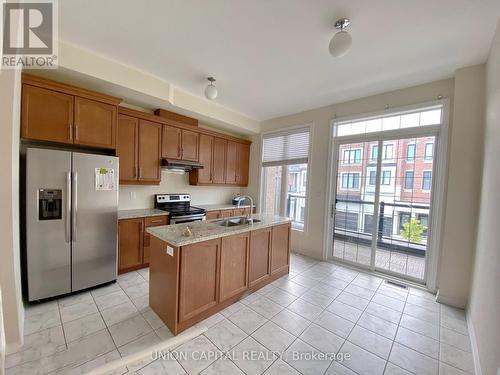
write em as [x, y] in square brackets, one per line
[137, 196]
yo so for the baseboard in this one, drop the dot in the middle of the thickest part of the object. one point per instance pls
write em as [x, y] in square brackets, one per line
[12, 347]
[473, 342]
[450, 301]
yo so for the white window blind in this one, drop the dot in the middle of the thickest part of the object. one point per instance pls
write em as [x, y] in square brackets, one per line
[285, 148]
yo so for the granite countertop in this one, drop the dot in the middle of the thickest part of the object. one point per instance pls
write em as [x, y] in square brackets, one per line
[219, 206]
[144, 212]
[209, 230]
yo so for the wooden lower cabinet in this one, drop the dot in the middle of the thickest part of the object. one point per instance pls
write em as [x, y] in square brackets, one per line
[199, 278]
[190, 283]
[134, 243]
[226, 213]
[280, 248]
[234, 265]
[130, 244]
[213, 214]
[259, 256]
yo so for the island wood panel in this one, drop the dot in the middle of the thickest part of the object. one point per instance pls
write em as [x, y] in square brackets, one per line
[189, 145]
[199, 278]
[280, 248]
[233, 265]
[164, 283]
[219, 161]
[130, 244]
[149, 151]
[205, 174]
[259, 257]
[95, 123]
[127, 147]
[46, 115]
[171, 142]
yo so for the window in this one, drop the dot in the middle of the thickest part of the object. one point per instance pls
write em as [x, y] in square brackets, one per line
[373, 178]
[284, 174]
[352, 156]
[388, 151]
[410, 152]
[429, 151]
[386, 178]
[426, 180]
[428, 116]
[350, 180]
[374, 153]
[408, 180]
[424, 221]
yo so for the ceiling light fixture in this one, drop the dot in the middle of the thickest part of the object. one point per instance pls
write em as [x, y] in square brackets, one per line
[341, 41]
[211, 90]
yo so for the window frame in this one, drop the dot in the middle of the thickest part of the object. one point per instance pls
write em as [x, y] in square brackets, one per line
[431, 158]
[385, 147]
[262, 179]
[405, 188]
[414, 145]
[352, 151]
[423, 181]
[382, 177]
[348, 174]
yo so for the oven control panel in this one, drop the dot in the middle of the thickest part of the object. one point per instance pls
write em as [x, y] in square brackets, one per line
[170, 198]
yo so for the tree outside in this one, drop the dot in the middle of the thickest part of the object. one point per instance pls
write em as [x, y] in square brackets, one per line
[412, 230]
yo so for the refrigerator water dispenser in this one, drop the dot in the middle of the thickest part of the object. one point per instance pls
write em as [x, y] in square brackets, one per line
[49, 204]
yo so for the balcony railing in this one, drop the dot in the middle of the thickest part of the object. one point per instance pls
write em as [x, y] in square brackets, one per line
[295, 207]
[391, 242]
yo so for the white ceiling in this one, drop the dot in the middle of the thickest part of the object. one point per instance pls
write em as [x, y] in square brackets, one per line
[270, 57]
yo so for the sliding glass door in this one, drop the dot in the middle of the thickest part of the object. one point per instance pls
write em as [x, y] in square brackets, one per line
[382, 196]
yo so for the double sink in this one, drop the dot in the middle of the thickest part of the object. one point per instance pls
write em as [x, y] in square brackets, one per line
[236, 221]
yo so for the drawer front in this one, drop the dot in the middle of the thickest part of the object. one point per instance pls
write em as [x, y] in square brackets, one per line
[154, 221]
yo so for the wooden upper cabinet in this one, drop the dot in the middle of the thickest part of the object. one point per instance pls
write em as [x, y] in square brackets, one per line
[149, 151]
[57, 112]
[189, 145]
[130, 241]
[219, 161]
[231, 163]
[171, 142]
[280, 248]
[205, 175]
[95, 123]
[259, 258]
[46, 115]
[233, 265]
[199, 278]
[127, 147]
[243, 164]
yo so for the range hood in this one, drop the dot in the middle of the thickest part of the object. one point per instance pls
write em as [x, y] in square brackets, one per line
[180, 165]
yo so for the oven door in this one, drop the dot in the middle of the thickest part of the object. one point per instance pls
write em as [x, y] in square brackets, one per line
[187, 218]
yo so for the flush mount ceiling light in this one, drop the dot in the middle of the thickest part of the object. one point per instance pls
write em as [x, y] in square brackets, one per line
[211, 90]
[341, 41]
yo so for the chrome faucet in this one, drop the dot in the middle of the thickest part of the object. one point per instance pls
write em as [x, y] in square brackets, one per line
[249, 217]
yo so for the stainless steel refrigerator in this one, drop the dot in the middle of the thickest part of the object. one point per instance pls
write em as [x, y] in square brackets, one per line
[71, 221]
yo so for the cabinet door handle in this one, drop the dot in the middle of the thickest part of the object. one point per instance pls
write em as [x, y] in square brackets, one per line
[140, 172]
[156, 221]
[76, 132]
[70, 131]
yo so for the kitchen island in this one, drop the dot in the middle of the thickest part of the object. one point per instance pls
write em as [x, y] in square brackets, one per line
[193, 277]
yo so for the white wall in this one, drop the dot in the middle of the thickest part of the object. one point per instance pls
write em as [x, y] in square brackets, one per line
[311, 241]
[484, 304]
[173, 183]
[464, 187]
[10, 268]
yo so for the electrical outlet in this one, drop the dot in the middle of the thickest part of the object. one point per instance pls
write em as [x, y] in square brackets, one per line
[131, 195]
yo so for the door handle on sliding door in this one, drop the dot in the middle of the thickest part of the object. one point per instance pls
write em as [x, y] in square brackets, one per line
[75, 205]
[68, 207]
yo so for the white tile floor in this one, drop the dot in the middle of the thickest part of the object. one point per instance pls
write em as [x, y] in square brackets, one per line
[319, 308]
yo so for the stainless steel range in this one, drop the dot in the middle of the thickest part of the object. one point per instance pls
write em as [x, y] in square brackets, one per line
[179, 207]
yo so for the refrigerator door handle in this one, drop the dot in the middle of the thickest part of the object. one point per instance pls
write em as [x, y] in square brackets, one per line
[75, 205]
[68, 207]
